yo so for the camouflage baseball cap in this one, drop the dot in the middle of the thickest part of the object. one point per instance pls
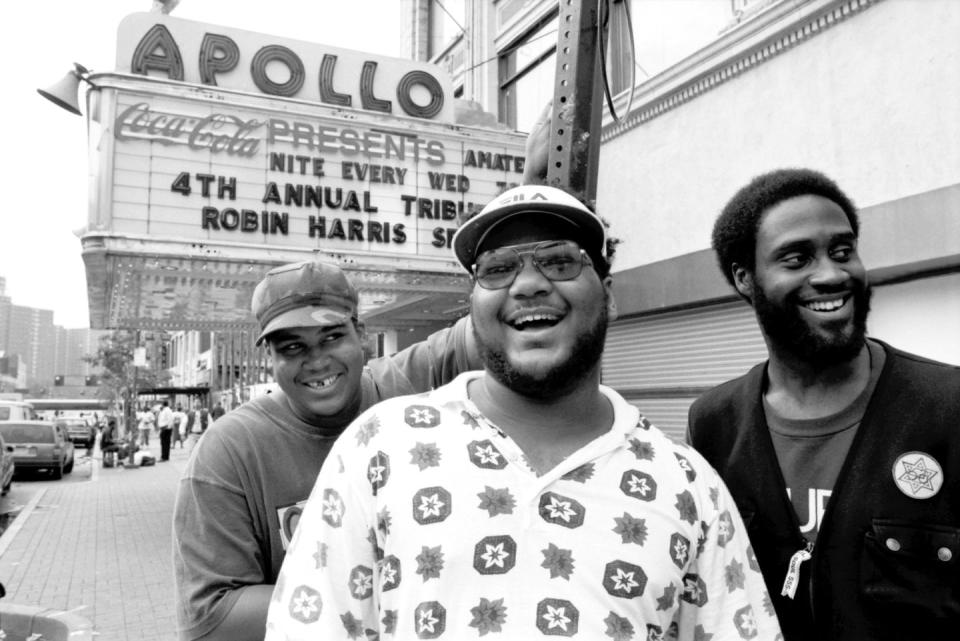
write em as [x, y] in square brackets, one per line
[305, 294]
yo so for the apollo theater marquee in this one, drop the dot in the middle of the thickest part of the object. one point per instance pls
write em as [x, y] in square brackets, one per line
[217, 153]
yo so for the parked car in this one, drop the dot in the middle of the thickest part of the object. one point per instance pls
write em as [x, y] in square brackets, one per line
[6, 466]
[16, 411]
[79, 431]
[39, 445]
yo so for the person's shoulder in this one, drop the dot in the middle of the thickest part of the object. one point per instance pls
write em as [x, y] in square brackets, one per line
[732, 390]
[237, 432]
[920, 378]
[918, 361]
[417, 410]
[682, 461]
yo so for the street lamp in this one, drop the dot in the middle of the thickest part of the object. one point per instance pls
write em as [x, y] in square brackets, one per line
[64, 93]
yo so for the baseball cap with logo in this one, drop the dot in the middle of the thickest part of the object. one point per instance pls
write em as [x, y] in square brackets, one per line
[532, 200]
[305, 294]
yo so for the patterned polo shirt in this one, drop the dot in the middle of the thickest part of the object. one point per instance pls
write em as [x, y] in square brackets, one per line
[426, 523]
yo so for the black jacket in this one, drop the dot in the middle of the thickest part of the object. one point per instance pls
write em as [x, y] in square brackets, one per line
[862, 589]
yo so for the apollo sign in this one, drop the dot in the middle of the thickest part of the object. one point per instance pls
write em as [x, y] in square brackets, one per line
[158, 45]
[228, 137]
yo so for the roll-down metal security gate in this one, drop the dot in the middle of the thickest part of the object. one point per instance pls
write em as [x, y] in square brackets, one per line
[662, 362]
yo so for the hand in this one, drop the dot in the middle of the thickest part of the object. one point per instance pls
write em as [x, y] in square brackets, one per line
[537, 149]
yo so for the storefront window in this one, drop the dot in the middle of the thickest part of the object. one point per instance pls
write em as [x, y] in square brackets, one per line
[527, 74]
[665, 32]
[447, 22]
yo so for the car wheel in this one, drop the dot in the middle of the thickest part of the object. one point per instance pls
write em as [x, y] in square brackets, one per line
[57, 472]
[69, 466]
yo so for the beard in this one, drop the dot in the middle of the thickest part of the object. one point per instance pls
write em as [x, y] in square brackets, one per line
[832, 345]
[584, 357]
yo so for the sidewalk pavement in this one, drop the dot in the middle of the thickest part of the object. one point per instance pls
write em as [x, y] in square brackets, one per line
[100, 548]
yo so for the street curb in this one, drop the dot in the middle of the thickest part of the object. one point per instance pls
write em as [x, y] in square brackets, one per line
[18, 522]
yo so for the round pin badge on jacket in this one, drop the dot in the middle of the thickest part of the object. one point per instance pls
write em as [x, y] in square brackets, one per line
[918, 475]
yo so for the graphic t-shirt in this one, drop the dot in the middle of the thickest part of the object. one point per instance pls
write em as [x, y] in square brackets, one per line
[811, 452]
[426, 523]
[240, 497]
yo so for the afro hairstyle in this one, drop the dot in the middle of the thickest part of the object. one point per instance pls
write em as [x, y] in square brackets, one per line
[735, 230]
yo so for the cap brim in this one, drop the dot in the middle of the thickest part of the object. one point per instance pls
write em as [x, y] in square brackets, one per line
[469, 236]
[310, 316]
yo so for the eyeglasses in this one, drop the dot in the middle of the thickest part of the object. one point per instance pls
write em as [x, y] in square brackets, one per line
[555, 259]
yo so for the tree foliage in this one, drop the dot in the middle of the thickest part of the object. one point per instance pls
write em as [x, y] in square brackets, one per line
[114, 357]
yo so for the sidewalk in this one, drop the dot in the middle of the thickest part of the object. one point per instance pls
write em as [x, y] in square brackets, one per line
[102, 549]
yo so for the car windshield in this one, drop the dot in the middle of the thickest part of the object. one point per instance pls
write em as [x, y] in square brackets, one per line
[14, 433]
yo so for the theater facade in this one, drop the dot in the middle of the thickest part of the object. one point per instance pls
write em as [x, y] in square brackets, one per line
[217, 154]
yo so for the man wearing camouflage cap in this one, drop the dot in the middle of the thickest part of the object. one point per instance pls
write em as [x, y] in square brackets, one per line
[241, 495]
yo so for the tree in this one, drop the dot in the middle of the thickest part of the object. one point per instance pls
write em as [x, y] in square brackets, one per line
[119, 378]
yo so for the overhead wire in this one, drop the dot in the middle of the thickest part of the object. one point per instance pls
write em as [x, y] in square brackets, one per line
[603, 22]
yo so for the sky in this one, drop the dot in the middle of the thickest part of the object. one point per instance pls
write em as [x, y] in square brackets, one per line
[44, 157]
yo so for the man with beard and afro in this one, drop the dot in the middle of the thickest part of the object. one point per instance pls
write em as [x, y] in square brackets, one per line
[526, 499]
[841, 451]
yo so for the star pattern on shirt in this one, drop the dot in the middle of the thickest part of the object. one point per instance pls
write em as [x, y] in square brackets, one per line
[746, 622]
[376, 473]
[488, 616]
[320, 555]
[733, 575]
[472, 476]
[430, 505]
[560, 509]
[643, 450]
[488, 454]
[368, 430]
[495, 555]
[686, 507]
[422, 416]
[305, 605]
[361, 582]
[556, 617]
[426, 621]
[639, 486]
[559, 561]
[630, 529]
[618, 628]
[623, 580]
[388, 576]
[333, 507]
[497, 501]
[425, 455]
[679, 549]
[666, 600]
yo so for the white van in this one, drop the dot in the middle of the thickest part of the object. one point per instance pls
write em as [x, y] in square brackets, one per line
[16, 411]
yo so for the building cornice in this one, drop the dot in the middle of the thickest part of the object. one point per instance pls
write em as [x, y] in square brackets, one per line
[771, 32]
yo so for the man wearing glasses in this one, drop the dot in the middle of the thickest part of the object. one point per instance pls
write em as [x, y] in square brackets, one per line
[526, 499]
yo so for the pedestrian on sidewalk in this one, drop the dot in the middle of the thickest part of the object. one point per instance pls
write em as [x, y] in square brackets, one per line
[179, 420]
[251, 472]
[108, 443]
[165, 425]
[145, 422]
[193, 428]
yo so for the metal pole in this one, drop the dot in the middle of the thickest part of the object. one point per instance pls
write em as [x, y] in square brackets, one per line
[574, 148]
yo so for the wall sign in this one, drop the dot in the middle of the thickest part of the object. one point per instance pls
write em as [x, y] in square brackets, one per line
[312, 178]
[159, 45]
